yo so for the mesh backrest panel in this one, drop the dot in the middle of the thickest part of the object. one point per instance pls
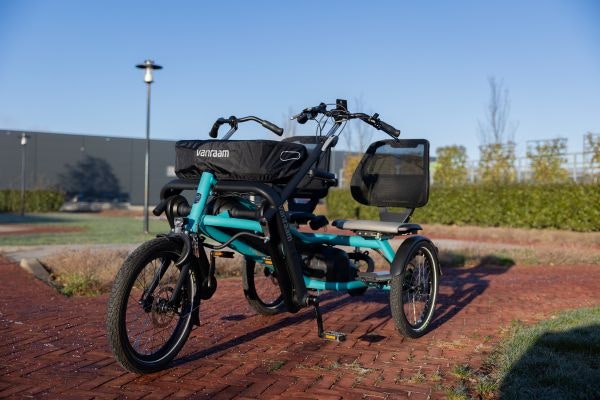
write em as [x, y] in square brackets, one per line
[393, 173]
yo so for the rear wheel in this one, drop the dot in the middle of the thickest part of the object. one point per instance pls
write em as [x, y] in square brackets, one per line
[413, 292]
[261, 288]
[145, 332]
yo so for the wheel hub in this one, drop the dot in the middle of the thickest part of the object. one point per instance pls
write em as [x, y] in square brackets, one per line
[162, 311]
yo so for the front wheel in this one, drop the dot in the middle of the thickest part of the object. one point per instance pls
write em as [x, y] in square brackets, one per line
[146, 331]
[261, 288]
[413, 292]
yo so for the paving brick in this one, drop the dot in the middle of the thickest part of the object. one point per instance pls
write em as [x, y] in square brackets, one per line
[52, 346]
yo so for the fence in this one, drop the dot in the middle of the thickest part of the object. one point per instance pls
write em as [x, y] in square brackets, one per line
[581, 168]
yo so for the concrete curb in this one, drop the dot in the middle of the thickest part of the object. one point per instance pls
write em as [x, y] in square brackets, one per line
[33, 266]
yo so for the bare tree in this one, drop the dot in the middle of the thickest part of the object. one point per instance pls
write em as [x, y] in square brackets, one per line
[496, 127]
[289, 125]
[497, 151]
[359, 135]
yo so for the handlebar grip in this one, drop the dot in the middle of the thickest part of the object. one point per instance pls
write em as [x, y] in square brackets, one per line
[272, 127]
[214, 131]
[387, 128]
[245, 214]
[161, 207]
[302, 118]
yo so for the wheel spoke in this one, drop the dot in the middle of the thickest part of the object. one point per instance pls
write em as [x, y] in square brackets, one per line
[150, 331]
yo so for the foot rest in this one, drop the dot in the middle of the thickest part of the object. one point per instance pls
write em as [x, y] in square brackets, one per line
[333, 336]
[374, 277]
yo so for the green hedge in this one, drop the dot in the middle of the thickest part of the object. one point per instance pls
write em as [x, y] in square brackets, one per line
[35, 200]
[562, 206]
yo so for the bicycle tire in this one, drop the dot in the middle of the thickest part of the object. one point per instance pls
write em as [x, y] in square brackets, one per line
[408, 289]
[256, 299]
[122, 302]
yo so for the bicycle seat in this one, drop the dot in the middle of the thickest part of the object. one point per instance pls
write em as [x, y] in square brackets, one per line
[393, 228]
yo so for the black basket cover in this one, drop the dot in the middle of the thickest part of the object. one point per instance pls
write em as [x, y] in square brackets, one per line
[248, 160]
[311, 187]
[393, 173]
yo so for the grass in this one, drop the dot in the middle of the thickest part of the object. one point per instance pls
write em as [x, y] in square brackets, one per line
[84, 272]
[355, 367]
[458, 392]
[462, 371]
[275, 365]
[554, 359]
[561, 238]
[91, 272]
[537, 255]
[92, 228]
[524, 246]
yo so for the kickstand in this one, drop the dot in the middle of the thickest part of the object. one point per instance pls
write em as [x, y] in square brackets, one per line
[327, 335]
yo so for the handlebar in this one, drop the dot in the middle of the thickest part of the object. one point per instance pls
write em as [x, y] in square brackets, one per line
[340, 113]
[233, 122]
[310, 113]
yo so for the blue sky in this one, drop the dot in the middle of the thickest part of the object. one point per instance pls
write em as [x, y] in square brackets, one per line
[68, 66]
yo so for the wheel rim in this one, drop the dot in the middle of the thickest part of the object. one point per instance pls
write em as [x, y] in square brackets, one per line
[418, 289]
[151, 328]
[266, 286]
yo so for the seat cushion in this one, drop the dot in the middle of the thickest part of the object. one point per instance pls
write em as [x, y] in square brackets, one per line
[393, 228]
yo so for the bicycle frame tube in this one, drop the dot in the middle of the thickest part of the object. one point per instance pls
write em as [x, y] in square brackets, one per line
[198, 221]
[344, 240]
[207, 180]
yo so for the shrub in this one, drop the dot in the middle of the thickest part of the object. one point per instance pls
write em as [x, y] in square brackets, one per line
[568, 206]
[451, 166]
[547, 160]
[35, 200]
[497, 163]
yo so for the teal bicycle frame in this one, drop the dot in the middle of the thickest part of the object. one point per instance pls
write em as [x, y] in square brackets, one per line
[201, 223]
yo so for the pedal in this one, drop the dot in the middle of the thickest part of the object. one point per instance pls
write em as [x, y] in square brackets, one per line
[326, 335]
[222, 254]
[333, 336]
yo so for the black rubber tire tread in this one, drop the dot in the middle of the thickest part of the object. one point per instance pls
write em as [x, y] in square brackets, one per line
[252, 296]
[132, 266]
[396, 305]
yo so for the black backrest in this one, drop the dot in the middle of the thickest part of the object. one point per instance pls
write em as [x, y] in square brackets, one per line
[393, 173]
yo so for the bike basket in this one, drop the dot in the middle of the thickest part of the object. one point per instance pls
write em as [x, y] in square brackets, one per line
[393, 173]
[311, 187]
[247, 160]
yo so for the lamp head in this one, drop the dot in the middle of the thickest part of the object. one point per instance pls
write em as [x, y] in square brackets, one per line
[23, 139]
[148, 66]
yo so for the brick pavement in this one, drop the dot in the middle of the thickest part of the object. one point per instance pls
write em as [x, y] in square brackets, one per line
[55, 347]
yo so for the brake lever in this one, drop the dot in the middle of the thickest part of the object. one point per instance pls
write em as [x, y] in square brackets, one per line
[374, 120]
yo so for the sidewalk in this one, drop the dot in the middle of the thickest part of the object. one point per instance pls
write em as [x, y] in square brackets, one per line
[56, 347]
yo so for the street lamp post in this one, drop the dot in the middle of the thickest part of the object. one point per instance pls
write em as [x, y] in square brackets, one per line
[23, 144]
[148, 66]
